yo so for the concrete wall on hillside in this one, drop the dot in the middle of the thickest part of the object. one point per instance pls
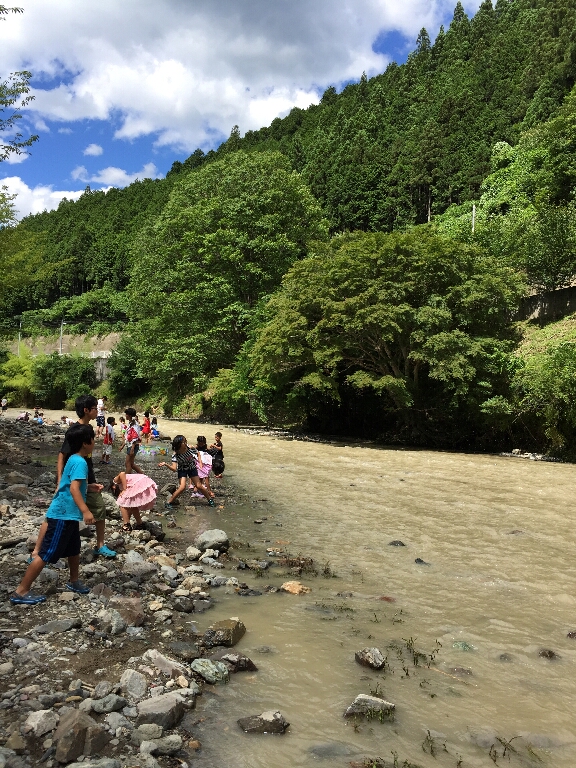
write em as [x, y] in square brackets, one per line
[550, 305]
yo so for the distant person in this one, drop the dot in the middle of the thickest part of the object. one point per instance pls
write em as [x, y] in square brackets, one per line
[131, 441]
[216, 450]
[67, 509]
[24, 416]
[146, 429]
[66, 421]
[155, 432]
[123, 427]
[134, 493]
[184, 463]
[109, 437]
[4, 405]
[101, 416]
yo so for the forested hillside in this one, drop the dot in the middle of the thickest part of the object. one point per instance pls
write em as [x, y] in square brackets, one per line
[324, 272]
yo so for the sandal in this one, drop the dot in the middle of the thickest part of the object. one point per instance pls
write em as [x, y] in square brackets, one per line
[127, 528]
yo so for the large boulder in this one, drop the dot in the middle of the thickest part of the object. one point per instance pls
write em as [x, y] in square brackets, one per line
[78, 734]
[111, 621]
[213, 539]
[267, 722]
[133, 684]
[166, 710]
[163, 663]
[211, 671]
[41, 722]
[129, 608]
[370, 707]
[227, 632]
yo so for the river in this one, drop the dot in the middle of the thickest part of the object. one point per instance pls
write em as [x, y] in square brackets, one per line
[498, 588]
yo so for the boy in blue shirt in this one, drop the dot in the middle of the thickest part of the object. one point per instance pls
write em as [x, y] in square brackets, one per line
[68, 507]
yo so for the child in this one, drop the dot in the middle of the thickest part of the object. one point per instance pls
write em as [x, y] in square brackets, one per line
[184, 462]
[123, 427]
[204, 466]
[146, 430]
[68, 507]
[131, 441]
[133, 494]
[154, 428]
[109, 437]
[217, 452]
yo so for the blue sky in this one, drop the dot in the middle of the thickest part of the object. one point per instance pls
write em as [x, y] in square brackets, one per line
[124, 89]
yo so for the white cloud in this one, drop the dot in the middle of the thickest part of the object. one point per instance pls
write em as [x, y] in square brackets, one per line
[187, 72]
[114, 177]
[65, 130]
[93, 149]
[15, 158]
[37, 199]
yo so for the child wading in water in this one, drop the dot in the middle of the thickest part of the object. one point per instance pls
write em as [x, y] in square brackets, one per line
[184, 462]
[131, 441]
[133, 493]
[67, 509]
[216, 450]
[204, 466]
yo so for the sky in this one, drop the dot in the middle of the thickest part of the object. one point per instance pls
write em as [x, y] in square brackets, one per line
[122, 89]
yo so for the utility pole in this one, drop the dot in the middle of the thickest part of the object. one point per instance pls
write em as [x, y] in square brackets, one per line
[62, 324]
[19, 335]
[473, 217]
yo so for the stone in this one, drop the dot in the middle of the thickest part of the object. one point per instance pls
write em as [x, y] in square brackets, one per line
[370, 706]
[130, 608]
[102, 689]
[227, 632]
[110, 703]
[396, 543]
[16, 743]
[186, 651]
[168, 572]
[295, 588]
[57, 625]
[132, 556]
[140, 570]
[370, 657]
[236, 662]
[190, 582]
[133, 684]
[111, 504]
[193, 553]
[163, 663]
[41, 722]
[103, 762]
[78, 734]
[183, 604]
[146, 732]
[547, 653]
[165, 710]
[267, 722]
[168, 745]
[20, 478]
[115, 720]
[211, 671]
[6, 668]
[213, 539]
[110, 621]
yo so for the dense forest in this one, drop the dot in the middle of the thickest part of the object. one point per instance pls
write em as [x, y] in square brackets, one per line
[324, 272]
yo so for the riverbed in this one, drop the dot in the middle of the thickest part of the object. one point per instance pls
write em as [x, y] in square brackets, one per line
[495, 589]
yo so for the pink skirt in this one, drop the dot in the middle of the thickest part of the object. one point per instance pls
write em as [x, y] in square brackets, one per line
[140, 492]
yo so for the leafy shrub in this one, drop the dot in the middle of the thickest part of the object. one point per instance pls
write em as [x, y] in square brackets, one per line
[57, 378]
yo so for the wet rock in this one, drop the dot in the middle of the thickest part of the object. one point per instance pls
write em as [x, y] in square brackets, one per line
[133, 684]
[77, 734]
[56, 626]
[183, 604]
[111, 621]
[213, 539]
[227, 632]
[130, 609]
[110, 703]
[505, 657]
[236, 662]
[396, 543]
[41, 722]
[295, 588]
[571, 635]
[168, 745]
[370, 706]
[370, 657]
[155, 529]
[462, 645]
[165, 710]
[212, 672]
[547, 653]
[331, 749]
[163, 663]
[186, 651]
[460, 671]
[193, 553]
[267, 722]
[249, 592]
[419, 561]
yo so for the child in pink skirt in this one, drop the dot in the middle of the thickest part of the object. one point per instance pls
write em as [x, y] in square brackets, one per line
[206, 468]
[133, 493]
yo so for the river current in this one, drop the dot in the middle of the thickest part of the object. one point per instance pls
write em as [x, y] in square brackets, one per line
[495, 590]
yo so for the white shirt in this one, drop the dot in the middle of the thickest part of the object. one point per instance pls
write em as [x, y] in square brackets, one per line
[101, 408]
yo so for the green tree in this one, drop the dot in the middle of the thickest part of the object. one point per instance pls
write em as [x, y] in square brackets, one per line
[419, 320]
[223, 242]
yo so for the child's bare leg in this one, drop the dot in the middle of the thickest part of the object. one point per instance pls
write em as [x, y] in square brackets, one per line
[181, 488]
[32, 572]
[201, 488]
[39, 540]
[125, 515]
[137, 516]
[74, 565]
[207, 486]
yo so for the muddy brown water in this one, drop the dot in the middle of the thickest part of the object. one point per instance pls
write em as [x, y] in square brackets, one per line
[498, 536]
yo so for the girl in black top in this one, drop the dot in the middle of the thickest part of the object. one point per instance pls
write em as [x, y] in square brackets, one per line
[184, 463]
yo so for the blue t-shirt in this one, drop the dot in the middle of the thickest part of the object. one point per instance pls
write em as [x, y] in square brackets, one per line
[63, 505]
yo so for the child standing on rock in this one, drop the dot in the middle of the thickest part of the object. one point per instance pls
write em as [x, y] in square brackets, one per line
[131, 441]
[109, 437]
[184, 463]
[68, 508]
[133, 493]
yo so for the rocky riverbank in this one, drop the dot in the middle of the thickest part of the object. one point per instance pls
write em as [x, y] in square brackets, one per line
[109, 679]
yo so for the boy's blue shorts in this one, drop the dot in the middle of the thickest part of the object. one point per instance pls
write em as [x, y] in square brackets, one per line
[62, 539]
